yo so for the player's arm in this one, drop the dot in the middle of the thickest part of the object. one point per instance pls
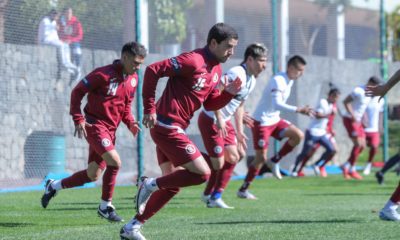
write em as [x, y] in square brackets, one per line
[217, 99]
[277, 100]
[220, 122]
[89, 83]
[181, 65]
[322, 110]
[239, 127]
[347, 105]
[128, 118]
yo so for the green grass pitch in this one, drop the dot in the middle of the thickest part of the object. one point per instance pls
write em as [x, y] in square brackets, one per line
[307, 208]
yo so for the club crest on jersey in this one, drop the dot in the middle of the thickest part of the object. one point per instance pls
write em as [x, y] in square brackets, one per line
[217, 149]
[215, 78]
[133, 82]
[105, 142]
[261, 142]
[190, 149]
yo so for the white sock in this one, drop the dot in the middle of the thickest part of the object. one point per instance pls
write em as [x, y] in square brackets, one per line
[152, 184]
[353, 169]
[133, 223]
[56, 185]
[391, 205]
[346, 165]
[105, 204]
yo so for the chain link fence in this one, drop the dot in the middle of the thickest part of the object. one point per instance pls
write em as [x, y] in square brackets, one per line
[37, 136]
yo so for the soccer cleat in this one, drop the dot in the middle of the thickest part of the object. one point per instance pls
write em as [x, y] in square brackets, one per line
[389, 215]
[142, 195]
[355, 175]
[274, 167]
[246, 195]
[218, 203]
[367, 169]
[346, 174]
[205, 198]
[323, 172]
[133, 234]
[316, 170]
[49, 193]
[301, 174]
[109, 214]
[379, 177]
[294, 174]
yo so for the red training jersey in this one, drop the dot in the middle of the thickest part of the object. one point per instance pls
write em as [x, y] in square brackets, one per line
[193, 81]
[109, 99]
[331, 118]
[71, 30]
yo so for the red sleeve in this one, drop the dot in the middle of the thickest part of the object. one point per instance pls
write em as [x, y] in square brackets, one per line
[128, 117]
[216, 100]
[181, 65]
[89, 83]
[77, 37]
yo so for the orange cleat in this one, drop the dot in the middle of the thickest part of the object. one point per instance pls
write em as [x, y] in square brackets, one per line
[346, 174]
[355, 175]
[300, 174]
[322, 172]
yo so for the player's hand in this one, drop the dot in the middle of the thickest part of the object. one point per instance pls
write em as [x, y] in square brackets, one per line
[248, 120]
[242, 138]
[233, 87]
[221, 125]
[379, 90]
[80, 129]
[134, 128]
[306, 110]
[149, 120]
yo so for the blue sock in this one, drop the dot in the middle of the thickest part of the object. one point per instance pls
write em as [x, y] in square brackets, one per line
[216, 195]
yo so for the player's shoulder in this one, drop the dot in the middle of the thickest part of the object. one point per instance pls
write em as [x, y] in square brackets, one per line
[359, 90]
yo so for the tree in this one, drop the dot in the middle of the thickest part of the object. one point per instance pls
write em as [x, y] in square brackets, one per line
[169, 19]
[393, 32]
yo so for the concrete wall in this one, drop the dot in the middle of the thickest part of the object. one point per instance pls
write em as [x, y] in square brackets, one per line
[31, 100]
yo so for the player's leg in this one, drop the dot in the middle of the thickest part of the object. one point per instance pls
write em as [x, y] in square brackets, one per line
[306, 153]
[260, 136]
[284, 129]
[389, 211]
[372, 141]
[132, 230]
[353, 130]
[106, 209]
[92, 173]
[388, 165]
[231, 158]
[214, 144]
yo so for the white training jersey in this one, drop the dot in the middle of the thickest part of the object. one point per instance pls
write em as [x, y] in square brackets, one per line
[318, 125]
[248, 84]
[47, 31]
[374, 108]
[359, 103]
[274, 100]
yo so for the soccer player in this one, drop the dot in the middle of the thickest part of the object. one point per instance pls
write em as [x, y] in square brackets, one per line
[388, 165]
[356, 103]
[373, 116]
[389, 211]
[267, 122]
[317, 133]
[194, 79]
[110, 91]
[219, 136]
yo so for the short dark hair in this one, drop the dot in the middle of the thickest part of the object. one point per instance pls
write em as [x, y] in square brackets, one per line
[255, 50]
[374, 80]
[334, 91]
[295, 60]
[221, 32]
[53, 12]
[135, 49]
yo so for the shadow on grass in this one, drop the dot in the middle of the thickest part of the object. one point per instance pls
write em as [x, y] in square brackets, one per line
[13, 225]
[78, 208]
[344, 194]
[286, 222]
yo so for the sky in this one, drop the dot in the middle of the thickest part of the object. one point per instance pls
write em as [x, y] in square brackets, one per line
[390, 5]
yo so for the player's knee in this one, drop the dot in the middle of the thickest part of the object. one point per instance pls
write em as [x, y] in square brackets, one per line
[173, 191]
[94, 176]
[204, 177]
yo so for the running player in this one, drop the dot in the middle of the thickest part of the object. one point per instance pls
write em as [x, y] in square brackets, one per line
[267, 122]
[219, 136]
[193, 81]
